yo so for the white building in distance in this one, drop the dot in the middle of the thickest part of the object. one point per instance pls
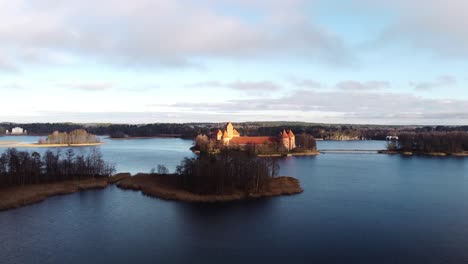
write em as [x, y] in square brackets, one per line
[17, 131]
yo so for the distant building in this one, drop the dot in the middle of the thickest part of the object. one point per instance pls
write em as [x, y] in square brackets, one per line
[17, 131]
[230, 135]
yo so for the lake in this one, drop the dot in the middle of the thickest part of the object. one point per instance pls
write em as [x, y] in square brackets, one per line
[355, 208]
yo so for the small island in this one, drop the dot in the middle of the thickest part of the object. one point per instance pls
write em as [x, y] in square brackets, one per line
[76, 138]
[230, 175]
[285, 144]
[429, 144]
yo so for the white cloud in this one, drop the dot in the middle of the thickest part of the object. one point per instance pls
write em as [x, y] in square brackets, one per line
[441, 82]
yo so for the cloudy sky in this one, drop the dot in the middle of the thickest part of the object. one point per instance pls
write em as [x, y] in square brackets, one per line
[142, 61]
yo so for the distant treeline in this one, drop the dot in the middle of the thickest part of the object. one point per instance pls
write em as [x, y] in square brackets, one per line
[230, 171]
[78, 136]
[22, 167]
[150, 130]
[431, 142]
[191, 130]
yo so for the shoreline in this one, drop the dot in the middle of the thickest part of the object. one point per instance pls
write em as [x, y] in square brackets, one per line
[163, 187]
[157, 186]
[307, 153]
[432, 154]
[19, 196]
[150, 137]
[312, 153]
[12, 144]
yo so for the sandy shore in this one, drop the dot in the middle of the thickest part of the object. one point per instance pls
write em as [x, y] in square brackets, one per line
[162, 186]
[13, 144]
[17, 196]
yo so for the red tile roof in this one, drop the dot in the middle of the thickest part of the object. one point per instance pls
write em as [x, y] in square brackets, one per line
[251, 140]
[284, 134]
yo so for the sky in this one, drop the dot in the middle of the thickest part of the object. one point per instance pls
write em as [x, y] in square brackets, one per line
[396, 62]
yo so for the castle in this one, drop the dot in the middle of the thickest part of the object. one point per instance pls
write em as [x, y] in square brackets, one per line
[230, 135]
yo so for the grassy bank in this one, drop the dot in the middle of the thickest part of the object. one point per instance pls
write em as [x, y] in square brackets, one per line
[165, 187]
[17, 196]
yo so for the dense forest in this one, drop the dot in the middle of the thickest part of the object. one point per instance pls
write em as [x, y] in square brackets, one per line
[78, 136]
[230, 171]
[191, 130]
[431, 142]
[22, 167]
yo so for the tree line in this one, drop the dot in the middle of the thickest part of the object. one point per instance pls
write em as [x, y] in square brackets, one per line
[231, 171]
[430, 142]
[191, 130]
[23, 168]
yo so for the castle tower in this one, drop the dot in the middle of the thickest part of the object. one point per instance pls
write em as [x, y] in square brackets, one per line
[226, 137]
[285, 139]
[230, 130]
[292, 140]
[219, 135]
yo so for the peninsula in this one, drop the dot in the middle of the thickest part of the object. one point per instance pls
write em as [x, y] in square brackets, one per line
[27, 178]
[166, 187]
[429, 144]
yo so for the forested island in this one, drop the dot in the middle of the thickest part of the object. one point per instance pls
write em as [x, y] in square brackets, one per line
[304, 144]
[27, 177]
[231, 175]
[78, 137]
[430, 143]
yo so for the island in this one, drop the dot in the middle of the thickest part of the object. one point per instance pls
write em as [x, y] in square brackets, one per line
[27, 178]
[230, 175]
[76, 138]
[454, 143]
[285, 144]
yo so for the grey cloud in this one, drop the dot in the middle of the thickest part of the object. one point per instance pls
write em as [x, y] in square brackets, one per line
[305, 83]
[247, 86]
[344, 106]
[442, 81]
[12, 86]
[258, 86]
[88, 87]
[351, 85]
[438, 26]
[302, 105]
[163, 32]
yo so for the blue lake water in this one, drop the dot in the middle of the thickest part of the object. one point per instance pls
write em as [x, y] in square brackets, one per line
[355, 208]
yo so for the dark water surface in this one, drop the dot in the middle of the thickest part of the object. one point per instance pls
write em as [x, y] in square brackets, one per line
[356, 208]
